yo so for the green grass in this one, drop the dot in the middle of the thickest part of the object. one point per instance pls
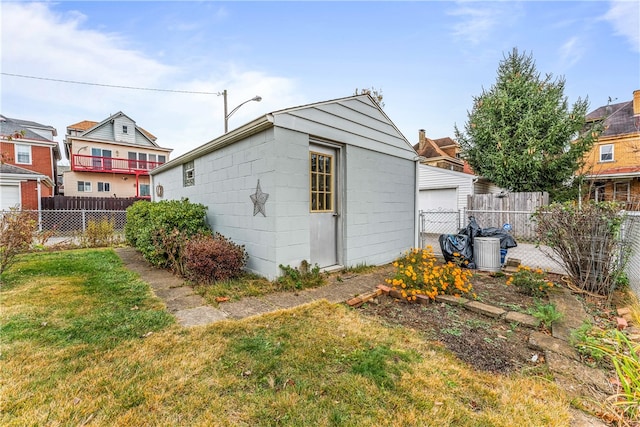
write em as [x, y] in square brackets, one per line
[318, 364]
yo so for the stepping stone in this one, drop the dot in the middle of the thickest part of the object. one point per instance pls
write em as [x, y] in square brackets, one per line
[542, 342]
[522, 318]
[450, 299]
[573, 311]
[486, 309]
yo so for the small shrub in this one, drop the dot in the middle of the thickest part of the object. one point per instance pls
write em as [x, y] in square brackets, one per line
[300, 278]
[99, 233]
[418, 273]
[169, 250]
[17, 230]
[530, 281]
[547, 314]
[151, 226]
[210, 259]
[586, 238]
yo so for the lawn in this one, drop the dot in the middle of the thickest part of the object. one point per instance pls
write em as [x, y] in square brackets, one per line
[85, 342]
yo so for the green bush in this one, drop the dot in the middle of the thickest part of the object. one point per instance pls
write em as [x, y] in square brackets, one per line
[210, 259]
[159, 229]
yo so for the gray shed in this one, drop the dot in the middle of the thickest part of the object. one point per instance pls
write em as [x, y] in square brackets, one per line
[333, 183]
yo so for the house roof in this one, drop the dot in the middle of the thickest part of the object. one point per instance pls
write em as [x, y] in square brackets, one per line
[85, 125]
[618, 118]
[619, 172]
[9, 126]
[16, 173]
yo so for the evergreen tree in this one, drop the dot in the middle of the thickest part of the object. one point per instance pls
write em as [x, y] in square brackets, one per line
[521, 134]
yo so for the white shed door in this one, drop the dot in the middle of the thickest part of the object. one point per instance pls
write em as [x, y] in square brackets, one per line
[322, 206]
[441, 199]
[9, 196]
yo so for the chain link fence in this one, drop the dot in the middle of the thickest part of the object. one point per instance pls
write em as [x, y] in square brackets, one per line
[435, 223]
[58, 226]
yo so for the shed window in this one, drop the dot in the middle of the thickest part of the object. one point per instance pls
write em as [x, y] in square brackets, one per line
[124, 129]
[606, 153]
[23, 154]
[188, 174]
[321, 186]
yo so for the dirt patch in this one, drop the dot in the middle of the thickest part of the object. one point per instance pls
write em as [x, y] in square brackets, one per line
[481, 341]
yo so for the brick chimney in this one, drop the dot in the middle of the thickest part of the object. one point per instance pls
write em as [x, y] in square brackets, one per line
[422, 140]
[636, 102]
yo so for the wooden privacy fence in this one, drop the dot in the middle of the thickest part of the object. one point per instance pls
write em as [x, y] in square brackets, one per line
[88, 203]
[515, 209]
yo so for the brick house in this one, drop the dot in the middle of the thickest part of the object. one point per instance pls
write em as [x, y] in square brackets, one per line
[28, 166]
[111, 158]
[612, 168]
[442, 152]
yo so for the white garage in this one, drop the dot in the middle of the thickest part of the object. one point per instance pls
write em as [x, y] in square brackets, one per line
[9, 196]
[438, 199]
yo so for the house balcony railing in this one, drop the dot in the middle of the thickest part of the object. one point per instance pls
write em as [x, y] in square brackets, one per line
[86, 163]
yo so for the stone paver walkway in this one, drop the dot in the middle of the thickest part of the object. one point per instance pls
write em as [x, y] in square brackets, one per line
[191, 309]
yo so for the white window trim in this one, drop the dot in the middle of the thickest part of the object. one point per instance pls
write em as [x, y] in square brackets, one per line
[17, 154]
[85, 185]
[612, 153]
[104, 187]
[188, 174]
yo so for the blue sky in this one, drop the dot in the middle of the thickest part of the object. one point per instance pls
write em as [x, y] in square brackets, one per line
[428, 58]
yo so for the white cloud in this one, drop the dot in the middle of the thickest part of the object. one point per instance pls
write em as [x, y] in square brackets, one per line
[571, 52]
[624, 16]
[479, 21]
[37, 41]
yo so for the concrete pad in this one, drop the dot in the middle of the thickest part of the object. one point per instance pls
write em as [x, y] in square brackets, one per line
[247, 307]
[198, 316]
[522, 318]
[183, 303]
[486, 309]
[174, 293]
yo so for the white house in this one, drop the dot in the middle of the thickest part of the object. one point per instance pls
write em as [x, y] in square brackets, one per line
[443, 194]
[333, 183]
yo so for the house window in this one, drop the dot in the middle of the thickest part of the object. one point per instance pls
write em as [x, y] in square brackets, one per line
[101, 159]
[621, 192]
[145, 190]
[142, 161]
[124, 129]
[132, 159]
[188, 174]
[321, 187]
[162, 159]
[84, 187]
[598, 192]
[23, 154]
[104, 187]
[606, 153]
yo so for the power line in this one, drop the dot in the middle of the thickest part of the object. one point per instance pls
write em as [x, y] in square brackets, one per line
[114, 86]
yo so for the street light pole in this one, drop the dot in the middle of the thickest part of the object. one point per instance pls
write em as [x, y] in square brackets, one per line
[227, 115]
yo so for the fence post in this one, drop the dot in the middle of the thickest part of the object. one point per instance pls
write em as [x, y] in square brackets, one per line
[84, 221]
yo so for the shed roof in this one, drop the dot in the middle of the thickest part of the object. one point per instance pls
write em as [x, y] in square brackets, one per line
[310, 117]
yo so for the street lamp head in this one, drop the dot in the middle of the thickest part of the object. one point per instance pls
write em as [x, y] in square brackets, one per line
[257, 98]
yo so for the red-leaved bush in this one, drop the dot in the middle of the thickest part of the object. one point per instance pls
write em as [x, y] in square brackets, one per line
[209, 259]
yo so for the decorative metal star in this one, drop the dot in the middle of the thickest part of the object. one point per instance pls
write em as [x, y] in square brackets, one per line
[259, 199]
